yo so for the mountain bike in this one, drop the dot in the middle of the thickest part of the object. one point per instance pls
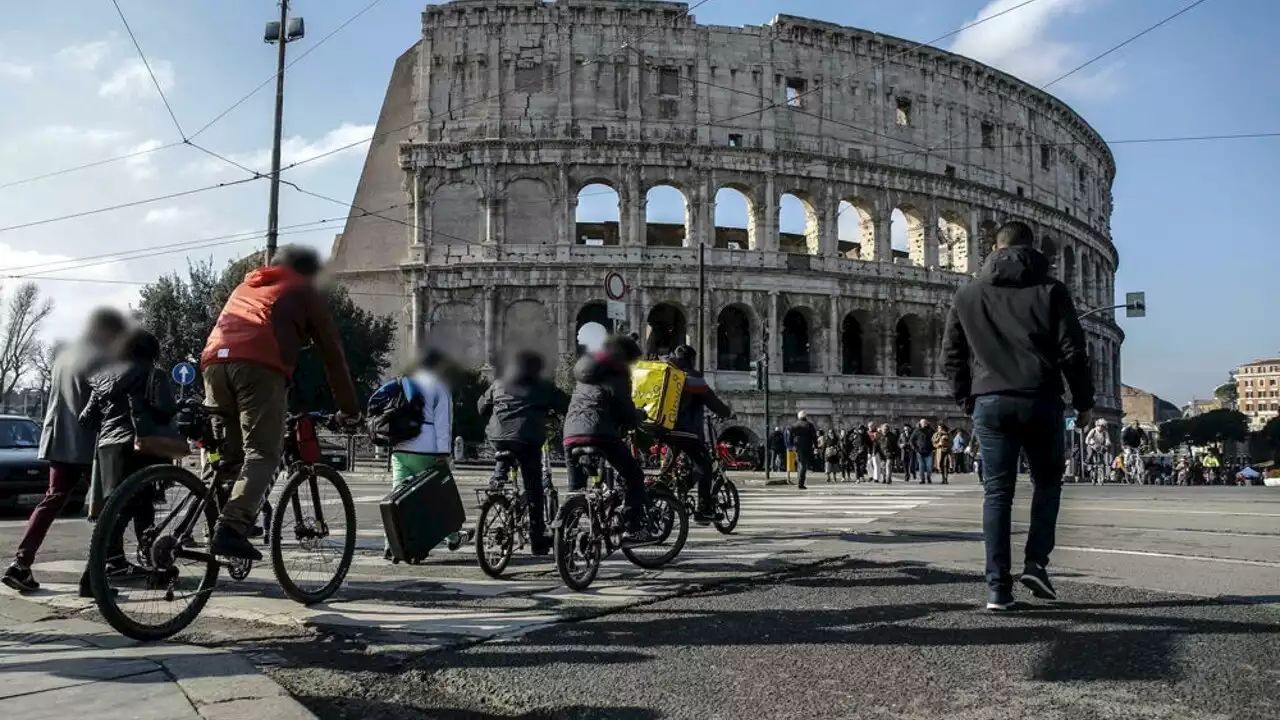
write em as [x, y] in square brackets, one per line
[676, 472]
[589, 525]
[158, 587]
[503, 526]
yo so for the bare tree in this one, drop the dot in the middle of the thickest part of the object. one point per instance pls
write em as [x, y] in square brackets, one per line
[23, 316]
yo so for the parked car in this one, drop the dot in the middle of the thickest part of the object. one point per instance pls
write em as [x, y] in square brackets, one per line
[24, 478]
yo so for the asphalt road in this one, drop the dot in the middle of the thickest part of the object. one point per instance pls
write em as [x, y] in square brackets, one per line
[839, 603]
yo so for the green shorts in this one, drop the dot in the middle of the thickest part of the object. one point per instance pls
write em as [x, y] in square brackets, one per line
[405, 465]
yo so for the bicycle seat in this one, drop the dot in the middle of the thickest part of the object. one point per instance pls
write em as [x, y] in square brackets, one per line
[504, 456]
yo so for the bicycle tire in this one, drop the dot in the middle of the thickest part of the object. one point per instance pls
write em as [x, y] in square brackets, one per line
[563, 546]
[681, 518]
[492, 568]
[109, 522]
[282, 511]
[732, 500]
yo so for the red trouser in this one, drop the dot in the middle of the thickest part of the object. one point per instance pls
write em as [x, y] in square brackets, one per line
[62, 480]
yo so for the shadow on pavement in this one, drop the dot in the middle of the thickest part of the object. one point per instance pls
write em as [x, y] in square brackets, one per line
[361, 709]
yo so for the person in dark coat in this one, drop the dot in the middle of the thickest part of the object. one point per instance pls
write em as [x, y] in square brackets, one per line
[65, 444]
[1011, 337]
[804, 436]
[859, 446]
[921, 442]
[600, 412]
[515, 410]
[777, 448]
[688, 435]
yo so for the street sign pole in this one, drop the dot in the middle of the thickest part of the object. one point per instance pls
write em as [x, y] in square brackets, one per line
[764, 372]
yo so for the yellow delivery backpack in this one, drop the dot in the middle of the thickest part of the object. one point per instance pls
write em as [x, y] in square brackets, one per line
[655, 389]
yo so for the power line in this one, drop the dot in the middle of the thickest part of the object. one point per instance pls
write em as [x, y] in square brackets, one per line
[150, 72]
[291, 63]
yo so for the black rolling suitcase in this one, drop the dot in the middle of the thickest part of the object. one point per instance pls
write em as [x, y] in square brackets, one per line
[420, 513]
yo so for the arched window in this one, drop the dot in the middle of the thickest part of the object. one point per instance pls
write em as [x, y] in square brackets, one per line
[797, 225]
[1069, 269]
[733, 340]
[855, 230]
[665, 217]
[667, 330]
[909, 347]
[907, 232]
[735, 219]
[953, 242]
[597, 216]
[796, 346]
[592, 326]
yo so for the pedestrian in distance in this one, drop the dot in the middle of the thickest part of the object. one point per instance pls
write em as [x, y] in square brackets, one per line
[942, 451]
[831, 455]
[958, 445]
[905, 451]
[886, 450]
[65, 444]
[777, 449]
[921, 446]
[515, 410]
[861, 451]
[803, 439]
[1011, 335]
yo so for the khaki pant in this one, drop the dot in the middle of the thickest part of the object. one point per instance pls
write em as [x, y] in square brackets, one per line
[249, 403]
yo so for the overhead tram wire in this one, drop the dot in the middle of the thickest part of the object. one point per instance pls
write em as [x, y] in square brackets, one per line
[146, 63]
[206, 126]
[487, 98]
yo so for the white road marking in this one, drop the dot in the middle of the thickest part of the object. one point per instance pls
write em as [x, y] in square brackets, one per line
[1171, 556]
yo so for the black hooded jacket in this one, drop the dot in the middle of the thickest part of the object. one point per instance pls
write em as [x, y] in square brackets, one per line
[601, 407]
[1014, 331]
[696, 398]
[515, 408]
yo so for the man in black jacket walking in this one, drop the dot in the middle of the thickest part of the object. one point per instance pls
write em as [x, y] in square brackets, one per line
[515, 411]
[803, 437]
[1011, 336]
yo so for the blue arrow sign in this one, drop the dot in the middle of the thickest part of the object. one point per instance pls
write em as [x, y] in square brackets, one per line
[184, 373]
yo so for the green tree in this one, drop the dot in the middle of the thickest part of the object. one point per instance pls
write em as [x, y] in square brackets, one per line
[181, 311]
[1227, 393]
[1173, 434]
[1217, 426]
[1267, 440]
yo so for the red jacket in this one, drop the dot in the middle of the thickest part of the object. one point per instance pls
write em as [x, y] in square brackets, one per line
[267, 321]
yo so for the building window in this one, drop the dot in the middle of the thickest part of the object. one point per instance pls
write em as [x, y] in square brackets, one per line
[988, 136]
[735, 140]
[904, 112]
[1046, 157]
[1248, 407]
[1021, 193]
[1017, 145]
[599, 134]
[1081, 175]
[795, 92]
[669, 81]
[951, 171]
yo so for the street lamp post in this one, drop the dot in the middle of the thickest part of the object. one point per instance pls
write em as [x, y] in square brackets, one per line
[281, 33]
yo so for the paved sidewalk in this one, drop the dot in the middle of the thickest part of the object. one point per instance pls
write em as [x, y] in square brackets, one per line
[68, 668]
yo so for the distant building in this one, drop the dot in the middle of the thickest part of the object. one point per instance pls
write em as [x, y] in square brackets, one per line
[1146, 409]
[1258, 384]
[1200, 407]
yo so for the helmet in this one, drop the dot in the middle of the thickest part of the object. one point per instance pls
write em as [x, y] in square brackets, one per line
[1100, 423]
[802, 415]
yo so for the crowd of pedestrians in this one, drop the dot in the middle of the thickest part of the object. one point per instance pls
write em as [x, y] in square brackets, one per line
[874, 452]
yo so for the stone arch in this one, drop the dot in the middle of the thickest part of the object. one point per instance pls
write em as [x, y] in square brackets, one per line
[526, 325]
[1068, 273]
[734, 204]
[856, 229]
[910, 343]
[666, 216]
[733, 339]
[1088, 279]
[735, 434]
[953, 241]
[797, 341]
[906, 230]
[986, 239]
[529, 211]
[594, 313]
[459, 327]
[857, 344]
[665, 329]
[598, 219]
[799, 228]
[457, 214]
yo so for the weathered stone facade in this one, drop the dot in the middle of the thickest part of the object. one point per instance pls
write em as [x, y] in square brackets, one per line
[506, 109]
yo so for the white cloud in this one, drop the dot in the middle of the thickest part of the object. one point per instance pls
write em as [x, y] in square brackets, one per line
[140, 166]
[131, 81]
[16, 70]
[297, 149]
[166, 215]
[86, 57]
[1021, 43]
[64, 135]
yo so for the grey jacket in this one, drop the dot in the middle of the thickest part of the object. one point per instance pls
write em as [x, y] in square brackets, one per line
[64, 439]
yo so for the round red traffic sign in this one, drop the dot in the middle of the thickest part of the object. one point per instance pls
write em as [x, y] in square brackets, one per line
[614, 286]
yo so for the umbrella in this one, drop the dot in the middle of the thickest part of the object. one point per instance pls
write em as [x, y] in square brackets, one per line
[1249, 473]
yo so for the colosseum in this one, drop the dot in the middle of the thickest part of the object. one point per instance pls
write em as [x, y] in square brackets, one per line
[509, 118]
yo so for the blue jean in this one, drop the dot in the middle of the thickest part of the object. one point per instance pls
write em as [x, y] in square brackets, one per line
[1008, 426]
[924, 466]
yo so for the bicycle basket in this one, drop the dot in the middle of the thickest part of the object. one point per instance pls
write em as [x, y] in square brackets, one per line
[308, 441]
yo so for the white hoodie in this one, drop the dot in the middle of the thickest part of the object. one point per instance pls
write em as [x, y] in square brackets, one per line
[436, 437]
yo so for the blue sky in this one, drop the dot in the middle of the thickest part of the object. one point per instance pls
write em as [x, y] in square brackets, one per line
[1187, 216]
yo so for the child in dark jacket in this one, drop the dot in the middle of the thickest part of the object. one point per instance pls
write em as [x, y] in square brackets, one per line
[600, 412]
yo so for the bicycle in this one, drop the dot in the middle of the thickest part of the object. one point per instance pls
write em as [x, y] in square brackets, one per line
[503, 525]
[726, 506]
[152, 575]
[589, 525]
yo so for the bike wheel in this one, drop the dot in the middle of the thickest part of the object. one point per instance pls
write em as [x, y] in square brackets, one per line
[310, 556]
[495, 536]
[148, 592]
[667, 521]
[726, 505]
[577, 547]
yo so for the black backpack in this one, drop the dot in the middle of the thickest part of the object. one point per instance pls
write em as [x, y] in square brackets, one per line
[395, 413]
